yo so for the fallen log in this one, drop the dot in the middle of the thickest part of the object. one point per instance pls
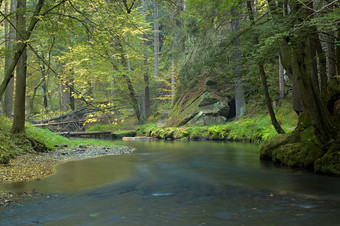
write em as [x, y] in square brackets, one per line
[57, 123]
[85, 133]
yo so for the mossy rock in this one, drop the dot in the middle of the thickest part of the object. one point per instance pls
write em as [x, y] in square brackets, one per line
[198, 110]
[330, 162]
[297, 154]
[267, 148]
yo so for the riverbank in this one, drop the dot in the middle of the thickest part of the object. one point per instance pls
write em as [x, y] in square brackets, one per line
[36, 166]
[252, 128]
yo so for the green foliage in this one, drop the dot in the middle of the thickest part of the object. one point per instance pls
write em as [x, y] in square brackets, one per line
[11, 145]
[51, 139]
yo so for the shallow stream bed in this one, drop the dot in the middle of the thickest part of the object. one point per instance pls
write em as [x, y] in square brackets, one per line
[177, 183]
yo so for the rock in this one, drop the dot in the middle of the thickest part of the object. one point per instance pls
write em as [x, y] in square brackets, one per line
[329, 163]
[205, 109]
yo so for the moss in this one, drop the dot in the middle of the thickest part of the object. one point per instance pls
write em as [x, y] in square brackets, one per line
[267, 148]
[297, 154]
[330, 162]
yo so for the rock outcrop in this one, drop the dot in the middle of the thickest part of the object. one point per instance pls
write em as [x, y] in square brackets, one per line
[203, 105]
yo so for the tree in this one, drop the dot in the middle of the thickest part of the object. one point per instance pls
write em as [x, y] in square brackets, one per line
[239, 91]
[8, 96]
[20, 90]
[296, 52]
[263, 76]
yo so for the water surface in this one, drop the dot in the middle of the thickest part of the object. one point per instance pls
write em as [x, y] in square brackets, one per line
[183, 183]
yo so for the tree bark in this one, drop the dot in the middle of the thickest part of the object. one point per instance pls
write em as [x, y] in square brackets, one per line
[156, 38]
[281, 80]
[133, 98]
[20, 91]
[331, 59]
[8, 96]
[240, 103]
[146, 104]
[337, 54]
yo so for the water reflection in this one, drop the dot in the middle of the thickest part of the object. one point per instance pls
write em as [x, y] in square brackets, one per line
[179, 183]
[81, 174]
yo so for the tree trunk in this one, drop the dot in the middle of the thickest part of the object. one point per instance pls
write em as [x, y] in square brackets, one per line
[133, 98]
[263, 75]
[331, 59]
[337, 53]
[146, 104]
[240, 103]
[8, 96]
[314, 107]
[296, 52]
[20, 91]
[156, 38]
[281, 80]
[269, 101]
[173, 81]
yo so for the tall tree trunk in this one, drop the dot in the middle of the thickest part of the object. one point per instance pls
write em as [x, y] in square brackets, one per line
[331, 59]
[281, 80]
[240, 103]
[263, 75]
[156, 38]
[112, 85]
[8, 96]
[133, 98]
[146, 104]
[314, 107]
[337, 53]
[20, 91]
[173, 81]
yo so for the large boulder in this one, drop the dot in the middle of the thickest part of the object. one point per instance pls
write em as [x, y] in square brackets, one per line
[204, 108]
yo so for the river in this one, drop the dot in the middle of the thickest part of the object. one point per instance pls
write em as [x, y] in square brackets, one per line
[177, 183]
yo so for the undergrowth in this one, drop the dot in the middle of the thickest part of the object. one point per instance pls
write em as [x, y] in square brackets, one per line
[14, 145]
[251, 128]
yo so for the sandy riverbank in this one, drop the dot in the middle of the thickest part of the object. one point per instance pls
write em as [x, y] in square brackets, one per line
[36, 166]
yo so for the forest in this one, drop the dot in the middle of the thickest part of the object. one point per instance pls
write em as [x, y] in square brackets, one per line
[169, 112]
[178, 69]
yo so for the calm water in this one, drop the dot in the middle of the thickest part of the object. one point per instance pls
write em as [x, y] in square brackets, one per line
[177, 183]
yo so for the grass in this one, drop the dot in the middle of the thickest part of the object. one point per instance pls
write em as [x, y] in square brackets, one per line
[51, 139]
[14, 145]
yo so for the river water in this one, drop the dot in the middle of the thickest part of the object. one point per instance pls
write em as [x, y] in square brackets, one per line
[177, 183]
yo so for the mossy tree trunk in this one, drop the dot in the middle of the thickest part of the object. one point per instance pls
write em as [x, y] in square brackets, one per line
[296, 52]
